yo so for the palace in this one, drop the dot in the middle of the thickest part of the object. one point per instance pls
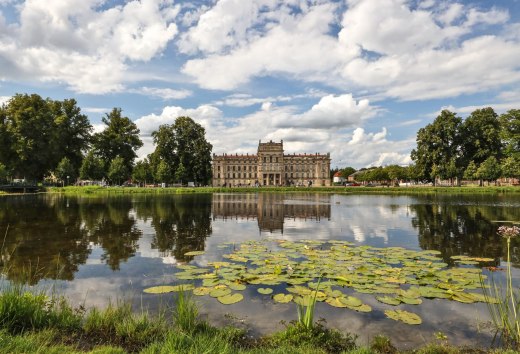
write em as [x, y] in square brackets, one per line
[271, 167]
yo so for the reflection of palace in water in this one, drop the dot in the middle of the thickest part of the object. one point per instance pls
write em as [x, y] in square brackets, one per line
[269, 209]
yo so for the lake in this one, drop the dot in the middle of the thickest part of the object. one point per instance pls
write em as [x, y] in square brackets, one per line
[97, 249]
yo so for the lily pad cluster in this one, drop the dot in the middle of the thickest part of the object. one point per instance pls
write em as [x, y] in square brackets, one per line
[393, 275]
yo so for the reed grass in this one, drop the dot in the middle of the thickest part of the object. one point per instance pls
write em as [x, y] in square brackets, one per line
[504, 302]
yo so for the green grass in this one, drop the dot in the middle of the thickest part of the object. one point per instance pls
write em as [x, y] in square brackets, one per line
[36, 323]
[345, 190]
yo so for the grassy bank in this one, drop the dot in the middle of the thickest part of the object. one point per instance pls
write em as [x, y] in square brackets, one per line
[342, 190]
[33, 323]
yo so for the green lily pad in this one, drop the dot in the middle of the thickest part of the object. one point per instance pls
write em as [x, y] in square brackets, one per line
[201, 291]
[351, 301]
[265, 291]
[388, 300]
[283, 298]
[218, 292]
[168, 288]
[335, 301]
[194, 253]
[404, 316]
[230, 298]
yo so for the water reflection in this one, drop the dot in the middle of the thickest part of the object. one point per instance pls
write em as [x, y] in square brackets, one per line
[52, 236]
[271, 210]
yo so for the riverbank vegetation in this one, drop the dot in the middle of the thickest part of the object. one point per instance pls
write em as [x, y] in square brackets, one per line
[34, 323]
[91, 190]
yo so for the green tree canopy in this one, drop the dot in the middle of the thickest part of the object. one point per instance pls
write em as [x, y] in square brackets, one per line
[118, 171]
[510, 131]
[439, 147]
[92, 167]
[184, 148]
[36, 134]
[471, 171]
[347, 171]
[510, 167]
[489, 170]
[65, 171]
[481, 136]
[142, 172]
[120, 138]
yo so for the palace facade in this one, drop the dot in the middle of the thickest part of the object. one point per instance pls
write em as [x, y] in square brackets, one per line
[271, 167]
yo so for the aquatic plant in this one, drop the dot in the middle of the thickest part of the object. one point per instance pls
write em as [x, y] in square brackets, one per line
[306, 307]
[315, 271]
[504, 305]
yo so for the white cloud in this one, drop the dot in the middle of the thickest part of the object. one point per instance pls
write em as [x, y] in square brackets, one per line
[334, 112]
[293, 44]
[88, 49]
[385, 46]
[162, 93]
[98, 110]
[312, 131]
[4, 99]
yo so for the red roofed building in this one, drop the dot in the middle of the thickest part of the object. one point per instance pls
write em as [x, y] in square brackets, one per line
[271, 167]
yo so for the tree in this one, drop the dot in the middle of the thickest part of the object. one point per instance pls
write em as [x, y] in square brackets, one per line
[481, 136]
[511, 167]
[92, 168]
[118, 170]
[395, 173]
[28, 127]
[65, 171]
[183, 147]
[120, 138]
[347, 171]
[471, 171]
[489, 170]
[3, 173]
[73, 131]
[510, 131]
[163, 173]
[142, 172]
[439, 147]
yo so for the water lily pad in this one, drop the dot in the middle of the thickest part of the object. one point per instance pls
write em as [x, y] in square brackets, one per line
[236, 286]
[194, 253]
[283, 298]
[404, 316]
[230, 298]
[336, 302]
[168, 288]
[218, 292]
[388, 300]
[351, 301]
[201, 291]
[265, 291]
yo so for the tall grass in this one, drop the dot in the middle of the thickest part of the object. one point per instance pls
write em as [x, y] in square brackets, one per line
[306, 310]
[504, 303]
[186, 312]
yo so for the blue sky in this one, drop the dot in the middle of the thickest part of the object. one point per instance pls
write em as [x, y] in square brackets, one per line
[356, 78]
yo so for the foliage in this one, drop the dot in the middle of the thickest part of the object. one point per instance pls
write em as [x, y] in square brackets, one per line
[186, 312]
[142, 172]
[504, 304]
[163, 172]
[182, 146]
[119, 138]
[37, 133]
[92, 168]
[65, 171]
[329, 340]
[118, 170]
[21, 310]
[510, 131]
[347, 171]
[480, 136]
[382, 344]
[489, 170]
[306, 309]
[471, 171]
[438, 152]
[3, 173]
[510, 166]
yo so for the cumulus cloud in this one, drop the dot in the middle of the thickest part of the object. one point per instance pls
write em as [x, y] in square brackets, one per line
[162, 93]
[241, 134]
[434, 50]
[83, 46]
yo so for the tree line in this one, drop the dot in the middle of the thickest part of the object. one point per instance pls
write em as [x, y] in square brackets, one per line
[484, 146]
[44, 138]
